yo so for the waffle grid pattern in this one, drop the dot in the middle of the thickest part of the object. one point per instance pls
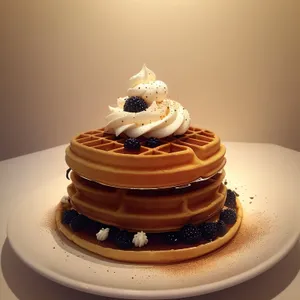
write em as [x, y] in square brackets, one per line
[177, 161]
[194, 138]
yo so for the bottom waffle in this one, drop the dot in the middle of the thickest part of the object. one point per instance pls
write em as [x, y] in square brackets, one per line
[166, 254]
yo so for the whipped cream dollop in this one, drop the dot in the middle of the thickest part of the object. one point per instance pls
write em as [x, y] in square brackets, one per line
[162, 118]
[145, 85]
[102, 235]
[140, 239]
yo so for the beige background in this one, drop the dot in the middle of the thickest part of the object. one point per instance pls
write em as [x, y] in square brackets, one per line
[234, 64]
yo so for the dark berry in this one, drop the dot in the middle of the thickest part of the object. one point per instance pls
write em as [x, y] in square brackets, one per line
[78, 223]
[123, 239]
[68, 216]
[132, 144]
[112, 229]
[116, 138]
[221, 228]
[152, 142]
[191, 234]
[172, 237]
[135, 104]
[95, 226]
[230, 199]
[209, 231]
[228, 216]
[67, 173]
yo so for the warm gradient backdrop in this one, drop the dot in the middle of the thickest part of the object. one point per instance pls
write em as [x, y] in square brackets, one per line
[234, 64]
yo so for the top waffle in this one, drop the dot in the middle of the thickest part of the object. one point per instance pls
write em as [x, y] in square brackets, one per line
[101, 157]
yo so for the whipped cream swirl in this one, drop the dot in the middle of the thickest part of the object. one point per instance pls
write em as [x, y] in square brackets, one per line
[145, 85]
[140, 239]
[102, 235]
[162, 118]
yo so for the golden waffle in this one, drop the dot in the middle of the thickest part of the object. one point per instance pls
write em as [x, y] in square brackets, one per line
[177, 161]
[152, 210]
[141, 255]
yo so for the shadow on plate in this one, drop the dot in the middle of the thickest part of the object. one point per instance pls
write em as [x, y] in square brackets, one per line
[26, 284]
[265, 286]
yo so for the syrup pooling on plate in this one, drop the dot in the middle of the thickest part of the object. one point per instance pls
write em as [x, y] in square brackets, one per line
[162, 118]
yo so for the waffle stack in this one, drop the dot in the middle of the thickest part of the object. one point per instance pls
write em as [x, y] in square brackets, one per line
[156, 191]
[148, 187]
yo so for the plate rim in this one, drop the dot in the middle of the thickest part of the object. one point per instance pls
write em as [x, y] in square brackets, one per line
[122, 293]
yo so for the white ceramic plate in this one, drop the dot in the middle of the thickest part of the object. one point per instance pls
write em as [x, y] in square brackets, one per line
[269, 230]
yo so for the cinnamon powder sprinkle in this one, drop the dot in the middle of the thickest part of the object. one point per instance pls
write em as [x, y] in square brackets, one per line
[250, 232]
[48, 221]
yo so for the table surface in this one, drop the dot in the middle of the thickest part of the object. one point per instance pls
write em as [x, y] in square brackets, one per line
[17, 281]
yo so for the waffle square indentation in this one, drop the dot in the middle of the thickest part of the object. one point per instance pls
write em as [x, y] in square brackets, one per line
[171, 148]
[109, 146]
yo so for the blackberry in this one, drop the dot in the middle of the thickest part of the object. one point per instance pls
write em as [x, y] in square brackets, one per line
[68, 216]
[152, 142]
[191, 234]
[230, 199]
[135, 104]
[221, 228]
[172, 237]
[79, 223]
[112, 229]
[209, 231]
[228, 216]
[132, 144]
[67, 173]
[117, 137]
[95, 226]
[123, 239]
